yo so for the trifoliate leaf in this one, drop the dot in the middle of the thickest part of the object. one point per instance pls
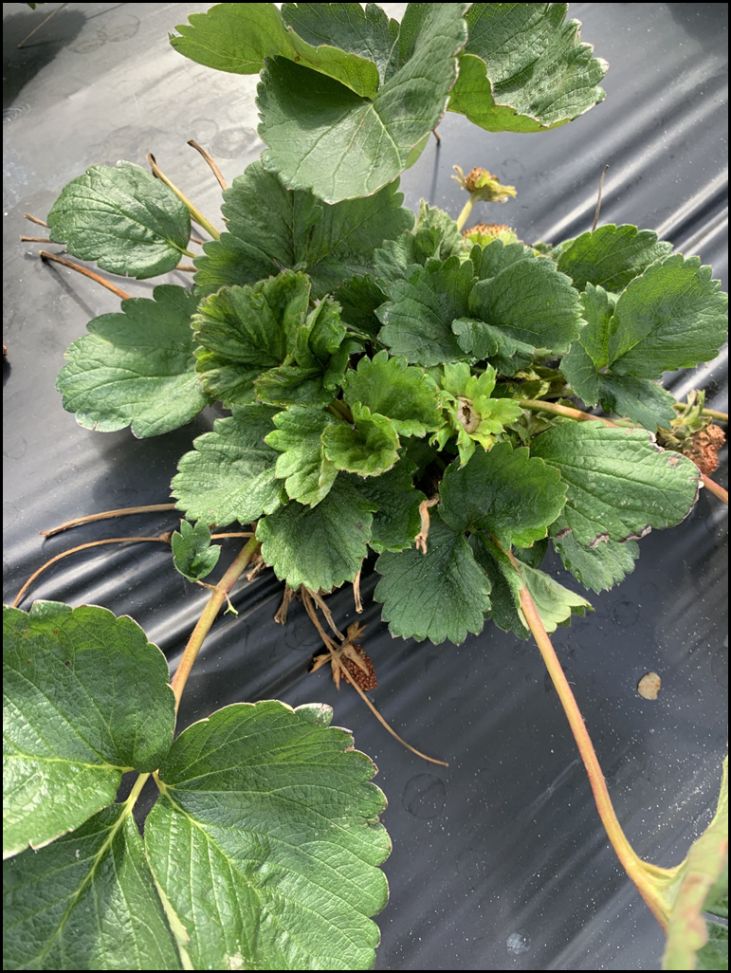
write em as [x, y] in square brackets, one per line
[243, 331]
[88, 901]
[326, 138]
[269, 228]
[504, 493]
[86, 699]
[136, 368]
[417, 319]
[673, 316]
[396, 502]
[435, 236]
[525, 68]
[123, 218]
[406, 395]
[342, 43]
[319, 547]
[601, 567]
[369, 446]
[441, 595]
[530, 301]
[276, 818]
[306, 471]
[193, 554]
[230, 473]
[611, 256]
[697, 935]
[620, 484]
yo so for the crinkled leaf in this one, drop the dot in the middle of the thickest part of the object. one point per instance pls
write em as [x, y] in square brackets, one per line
[406, 395]
[435, 235]
[276, 818]
[673, 316]
[243, 331]
[396, 501]
[417, 319]
[701, 887]
[358, 298]
[318, 547]
[441, 595]
[193, 554]
[530, 301]
[324, 137]
[86, 698]
[230, 473]
[270, 228]
[480, 341]
[611, 256]
[291, 385]
[525, 68]
[136, 368]
[306, 471]
[620, 484]
[504, 493]
[87, 902]
[368, 446]
[601, 567]
[123, 218]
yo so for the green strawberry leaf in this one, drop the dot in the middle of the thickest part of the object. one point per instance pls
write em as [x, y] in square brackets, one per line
[270, 228]
[611, 256]
[276, 818]
[230, 474]
[123, 218]
[504, 493]
[324, 137]
[390, 387]
[306, 471]
[193, 554]
[88, 901]
[525, 68]
[76, 681]
[369, 446]
[601, 567]
[442, 595]
[395, 503]
[620, 484]
[319, 547]
[291, 385]
[136, 368]
[435, 236]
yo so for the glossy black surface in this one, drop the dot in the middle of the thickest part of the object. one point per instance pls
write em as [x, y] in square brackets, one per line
[499, 861]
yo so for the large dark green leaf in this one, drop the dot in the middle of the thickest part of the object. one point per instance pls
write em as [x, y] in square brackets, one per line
[611, 256]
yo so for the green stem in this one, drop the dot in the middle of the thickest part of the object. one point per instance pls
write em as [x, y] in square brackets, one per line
[711, 413]
[195, 213]
[536, 405]
[465, 214]
[213, 606]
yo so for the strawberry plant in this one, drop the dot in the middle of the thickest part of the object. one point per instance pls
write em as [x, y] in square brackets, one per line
[397, 392]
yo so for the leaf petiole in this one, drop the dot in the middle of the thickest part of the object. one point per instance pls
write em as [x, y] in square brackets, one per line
[45, 255]
[195, 213]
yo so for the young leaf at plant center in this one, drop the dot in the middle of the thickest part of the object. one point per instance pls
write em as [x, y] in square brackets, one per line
[193, 554]
[318, 341]
[396, 502]
[529, 300]
[319, 547]
[504, 493]
[276, 817]
[123, 218]
[270, 228]
[306, 471]
[86, 699]
[525, 68]
[556, 604]
[441, 595]
[230, 473]
[620, 484]
[243, 331]
[611, 256]
[417, 319]
[369, 446]
[697, 935]
[472, 412]
[405, 395]
[435, 236]
[323, 137]
[601, 567]
[87, 902]
[359, 297]
[136, 368]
